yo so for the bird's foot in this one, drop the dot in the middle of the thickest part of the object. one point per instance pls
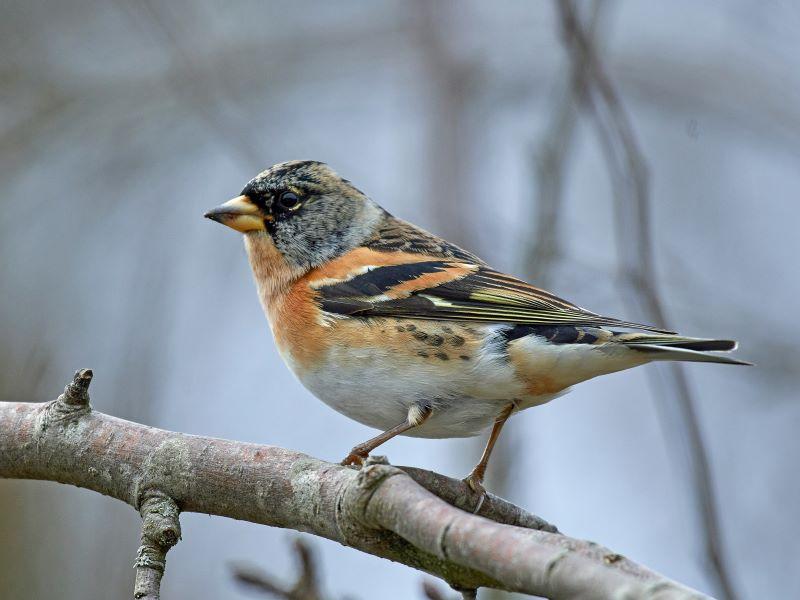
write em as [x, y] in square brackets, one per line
[475, 483]
[357, 457]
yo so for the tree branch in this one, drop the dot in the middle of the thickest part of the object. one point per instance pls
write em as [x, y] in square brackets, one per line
[380, 509]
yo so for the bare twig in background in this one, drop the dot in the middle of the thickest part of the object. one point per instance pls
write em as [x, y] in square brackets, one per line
[380, 509]
[196, 91]
[550, 160]
[450, 82]
[629, 177]
[432, 592]
[306, 587]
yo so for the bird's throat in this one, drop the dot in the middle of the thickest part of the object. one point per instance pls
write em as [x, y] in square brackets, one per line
[272, 272]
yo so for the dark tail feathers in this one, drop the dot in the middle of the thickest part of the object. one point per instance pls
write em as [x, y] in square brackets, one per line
[668, 347]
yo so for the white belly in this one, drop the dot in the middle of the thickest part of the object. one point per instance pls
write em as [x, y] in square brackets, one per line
[377, 387]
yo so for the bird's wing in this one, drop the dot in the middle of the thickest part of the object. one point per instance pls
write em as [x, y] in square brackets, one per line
[432, 287]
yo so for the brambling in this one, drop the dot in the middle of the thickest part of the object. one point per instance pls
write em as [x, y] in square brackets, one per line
[408, 333]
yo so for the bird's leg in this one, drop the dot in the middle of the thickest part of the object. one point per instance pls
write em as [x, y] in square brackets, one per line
[417, 415]
[475, 479]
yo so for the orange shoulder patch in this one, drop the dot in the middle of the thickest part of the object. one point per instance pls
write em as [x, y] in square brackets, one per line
[357, 260]
[429, 280]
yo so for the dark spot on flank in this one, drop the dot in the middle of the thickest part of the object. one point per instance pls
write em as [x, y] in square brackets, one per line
[411, 327]
[400, 328]
[442, 356]
[421, 335]
[588, 338]
[423, 354]
[464, 357]
[456, 341]
[436, 340]
[446, 329]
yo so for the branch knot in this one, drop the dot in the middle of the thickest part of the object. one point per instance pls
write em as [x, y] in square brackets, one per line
[76, 392]
[70, 405]
[351, 510]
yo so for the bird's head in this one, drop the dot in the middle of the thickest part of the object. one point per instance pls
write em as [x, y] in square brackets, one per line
[309, 213]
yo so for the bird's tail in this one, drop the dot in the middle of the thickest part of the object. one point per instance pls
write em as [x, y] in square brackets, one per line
[675, 347]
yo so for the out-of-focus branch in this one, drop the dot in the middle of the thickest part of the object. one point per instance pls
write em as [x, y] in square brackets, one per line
[432, 592]
[380, 509]
[305, 588]
[550, 161]
[450, 84]
[196, 91]
[630, 182]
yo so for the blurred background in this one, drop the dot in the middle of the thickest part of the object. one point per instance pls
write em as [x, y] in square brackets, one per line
[122, 122]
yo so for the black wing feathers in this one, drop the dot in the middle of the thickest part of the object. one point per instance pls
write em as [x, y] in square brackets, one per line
[380, 280]
[479, 294]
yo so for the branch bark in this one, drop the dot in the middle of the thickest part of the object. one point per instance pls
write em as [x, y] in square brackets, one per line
[381, 509]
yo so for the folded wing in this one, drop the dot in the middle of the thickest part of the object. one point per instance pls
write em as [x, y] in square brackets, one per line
[435, 288]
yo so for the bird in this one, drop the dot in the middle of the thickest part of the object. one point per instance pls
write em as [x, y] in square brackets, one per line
[410, 334]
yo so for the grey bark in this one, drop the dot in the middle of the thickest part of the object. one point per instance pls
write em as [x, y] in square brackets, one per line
[381, 509]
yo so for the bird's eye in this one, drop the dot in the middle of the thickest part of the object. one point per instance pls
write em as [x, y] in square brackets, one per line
[288, 201]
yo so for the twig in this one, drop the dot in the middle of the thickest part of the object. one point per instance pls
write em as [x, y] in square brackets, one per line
[192, 88]
[161, 530]
[380, 509]
[630, 180]
[492, 508]
[305, 588]
[550, 161]
[451, 83]
[432, 592]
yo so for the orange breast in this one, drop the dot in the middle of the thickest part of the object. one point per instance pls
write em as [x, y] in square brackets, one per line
[298, 324]
[295, 318]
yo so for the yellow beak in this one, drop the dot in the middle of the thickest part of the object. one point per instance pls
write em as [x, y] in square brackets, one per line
[239, 214]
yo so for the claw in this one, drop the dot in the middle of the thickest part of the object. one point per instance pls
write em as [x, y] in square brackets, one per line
[475, 484]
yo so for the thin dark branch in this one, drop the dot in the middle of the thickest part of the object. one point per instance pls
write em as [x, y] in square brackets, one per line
[305, 588]
[550, 162]
[450, 84]
[433, 592]
[630, 182]
[193, 89]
